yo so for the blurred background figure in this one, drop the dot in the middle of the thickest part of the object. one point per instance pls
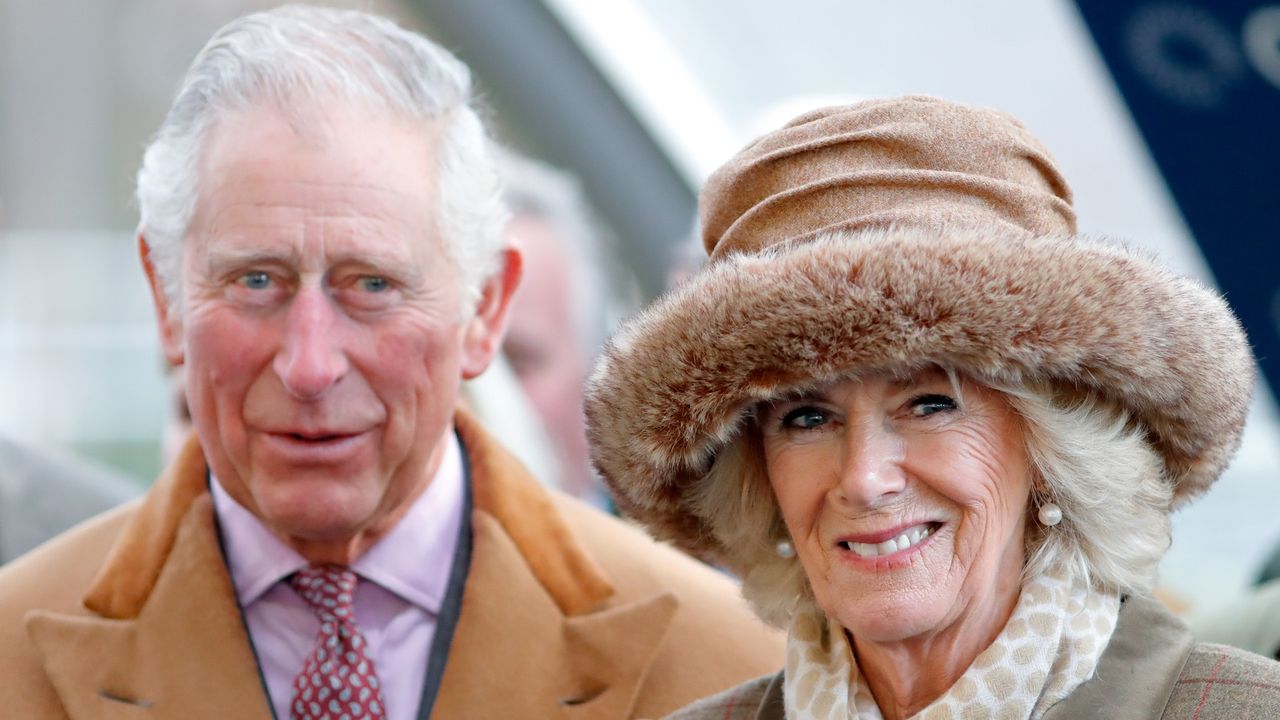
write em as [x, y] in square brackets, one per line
[1271, 568]
[43, 493]
[567, 301]
[560, 312]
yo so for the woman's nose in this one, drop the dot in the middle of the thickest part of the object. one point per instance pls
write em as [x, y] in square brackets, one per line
[871, 471]
[311, 358]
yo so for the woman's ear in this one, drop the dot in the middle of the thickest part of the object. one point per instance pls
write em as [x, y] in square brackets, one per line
[167, 316]
[486, 328]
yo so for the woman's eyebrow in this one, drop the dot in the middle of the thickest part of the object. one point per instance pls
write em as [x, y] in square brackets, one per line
[924, 377]
[797, 396]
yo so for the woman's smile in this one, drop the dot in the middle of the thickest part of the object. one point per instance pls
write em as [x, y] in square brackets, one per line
[888, 544]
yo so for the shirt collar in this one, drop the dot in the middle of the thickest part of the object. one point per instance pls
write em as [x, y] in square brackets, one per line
[412, 560]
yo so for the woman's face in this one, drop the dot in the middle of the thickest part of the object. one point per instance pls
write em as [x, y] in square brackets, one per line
[906, 502]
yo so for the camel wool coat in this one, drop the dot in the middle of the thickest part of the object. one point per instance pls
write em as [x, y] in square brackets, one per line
[566, 613]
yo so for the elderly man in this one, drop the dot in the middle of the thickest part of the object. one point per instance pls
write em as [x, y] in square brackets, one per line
[322, 228]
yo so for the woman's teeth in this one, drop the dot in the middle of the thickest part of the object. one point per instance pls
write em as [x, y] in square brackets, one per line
[910, 538]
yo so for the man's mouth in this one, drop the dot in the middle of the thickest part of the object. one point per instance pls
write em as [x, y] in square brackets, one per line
[314, 438]
[318, 446]
[317, 437]
[902, 540]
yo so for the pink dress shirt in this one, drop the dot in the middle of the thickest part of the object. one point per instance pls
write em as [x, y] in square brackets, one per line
[403, 582]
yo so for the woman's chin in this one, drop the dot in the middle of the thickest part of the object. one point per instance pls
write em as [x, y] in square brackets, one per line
[885, 631]
[883, 617]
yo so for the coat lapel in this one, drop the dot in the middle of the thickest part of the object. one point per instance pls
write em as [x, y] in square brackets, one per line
[1138, 670]
[167, 639]
[541, 633]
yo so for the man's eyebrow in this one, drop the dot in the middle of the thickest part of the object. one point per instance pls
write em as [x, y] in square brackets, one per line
[226, 258]
[399, 266]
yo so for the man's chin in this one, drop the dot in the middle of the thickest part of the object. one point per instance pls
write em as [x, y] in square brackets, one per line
[317, 509]
[324, 539]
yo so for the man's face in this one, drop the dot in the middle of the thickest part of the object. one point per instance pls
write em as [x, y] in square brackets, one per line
[322, 330]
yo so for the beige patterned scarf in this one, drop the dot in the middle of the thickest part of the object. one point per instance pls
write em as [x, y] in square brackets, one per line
[1050, 646]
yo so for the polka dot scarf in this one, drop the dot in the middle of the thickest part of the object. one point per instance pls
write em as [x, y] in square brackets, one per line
[1050, 646]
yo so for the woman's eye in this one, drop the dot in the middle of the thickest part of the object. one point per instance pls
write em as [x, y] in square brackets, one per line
[925, 405]
[804, 418]
[373, 284]
[255, 280]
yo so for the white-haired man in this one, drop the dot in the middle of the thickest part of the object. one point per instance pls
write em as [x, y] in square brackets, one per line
[322, 228]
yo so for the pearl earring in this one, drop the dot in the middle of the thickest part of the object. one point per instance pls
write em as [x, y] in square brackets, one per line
[785, 549]
[1050, 514]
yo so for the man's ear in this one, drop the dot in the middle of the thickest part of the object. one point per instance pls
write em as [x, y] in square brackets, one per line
[484, 331]
[166, 315]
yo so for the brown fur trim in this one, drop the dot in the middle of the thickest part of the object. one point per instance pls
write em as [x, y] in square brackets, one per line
[674, 382]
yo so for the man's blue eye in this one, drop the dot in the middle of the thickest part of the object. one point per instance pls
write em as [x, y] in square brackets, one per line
[255, 280]
[804, 418]
[374, 284]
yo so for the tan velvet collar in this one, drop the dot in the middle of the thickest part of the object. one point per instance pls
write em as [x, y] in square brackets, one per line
[502, 487]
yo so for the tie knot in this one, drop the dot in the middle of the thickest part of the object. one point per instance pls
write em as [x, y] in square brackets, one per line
[329, 589]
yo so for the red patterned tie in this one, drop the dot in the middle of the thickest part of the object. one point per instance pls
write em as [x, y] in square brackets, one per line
[337, 679]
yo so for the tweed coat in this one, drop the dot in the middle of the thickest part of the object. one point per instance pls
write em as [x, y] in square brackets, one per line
[1152, 668]
[567, 613]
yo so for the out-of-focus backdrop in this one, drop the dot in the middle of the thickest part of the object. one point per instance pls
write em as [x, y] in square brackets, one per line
[1157, 111]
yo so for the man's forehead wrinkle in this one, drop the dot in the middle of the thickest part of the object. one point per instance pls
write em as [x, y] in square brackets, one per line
[236, 191]
[262, 216]
[341, 209]
[235, 181]
[228, 222]
[266, 214]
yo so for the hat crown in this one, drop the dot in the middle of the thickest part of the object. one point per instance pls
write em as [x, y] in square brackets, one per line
[912, 161]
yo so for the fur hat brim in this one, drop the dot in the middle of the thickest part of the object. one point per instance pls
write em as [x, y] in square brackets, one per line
[674, 383]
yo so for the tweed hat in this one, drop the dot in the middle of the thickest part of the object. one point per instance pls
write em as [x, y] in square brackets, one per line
[890, 235]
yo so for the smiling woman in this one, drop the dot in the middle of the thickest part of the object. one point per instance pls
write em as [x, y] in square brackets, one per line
[936, 433]
[905, 508]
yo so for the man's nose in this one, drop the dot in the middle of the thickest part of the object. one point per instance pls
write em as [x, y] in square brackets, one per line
[311, 358]
[871, 472]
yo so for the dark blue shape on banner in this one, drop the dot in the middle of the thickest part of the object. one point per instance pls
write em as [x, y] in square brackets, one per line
[1203, 83]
